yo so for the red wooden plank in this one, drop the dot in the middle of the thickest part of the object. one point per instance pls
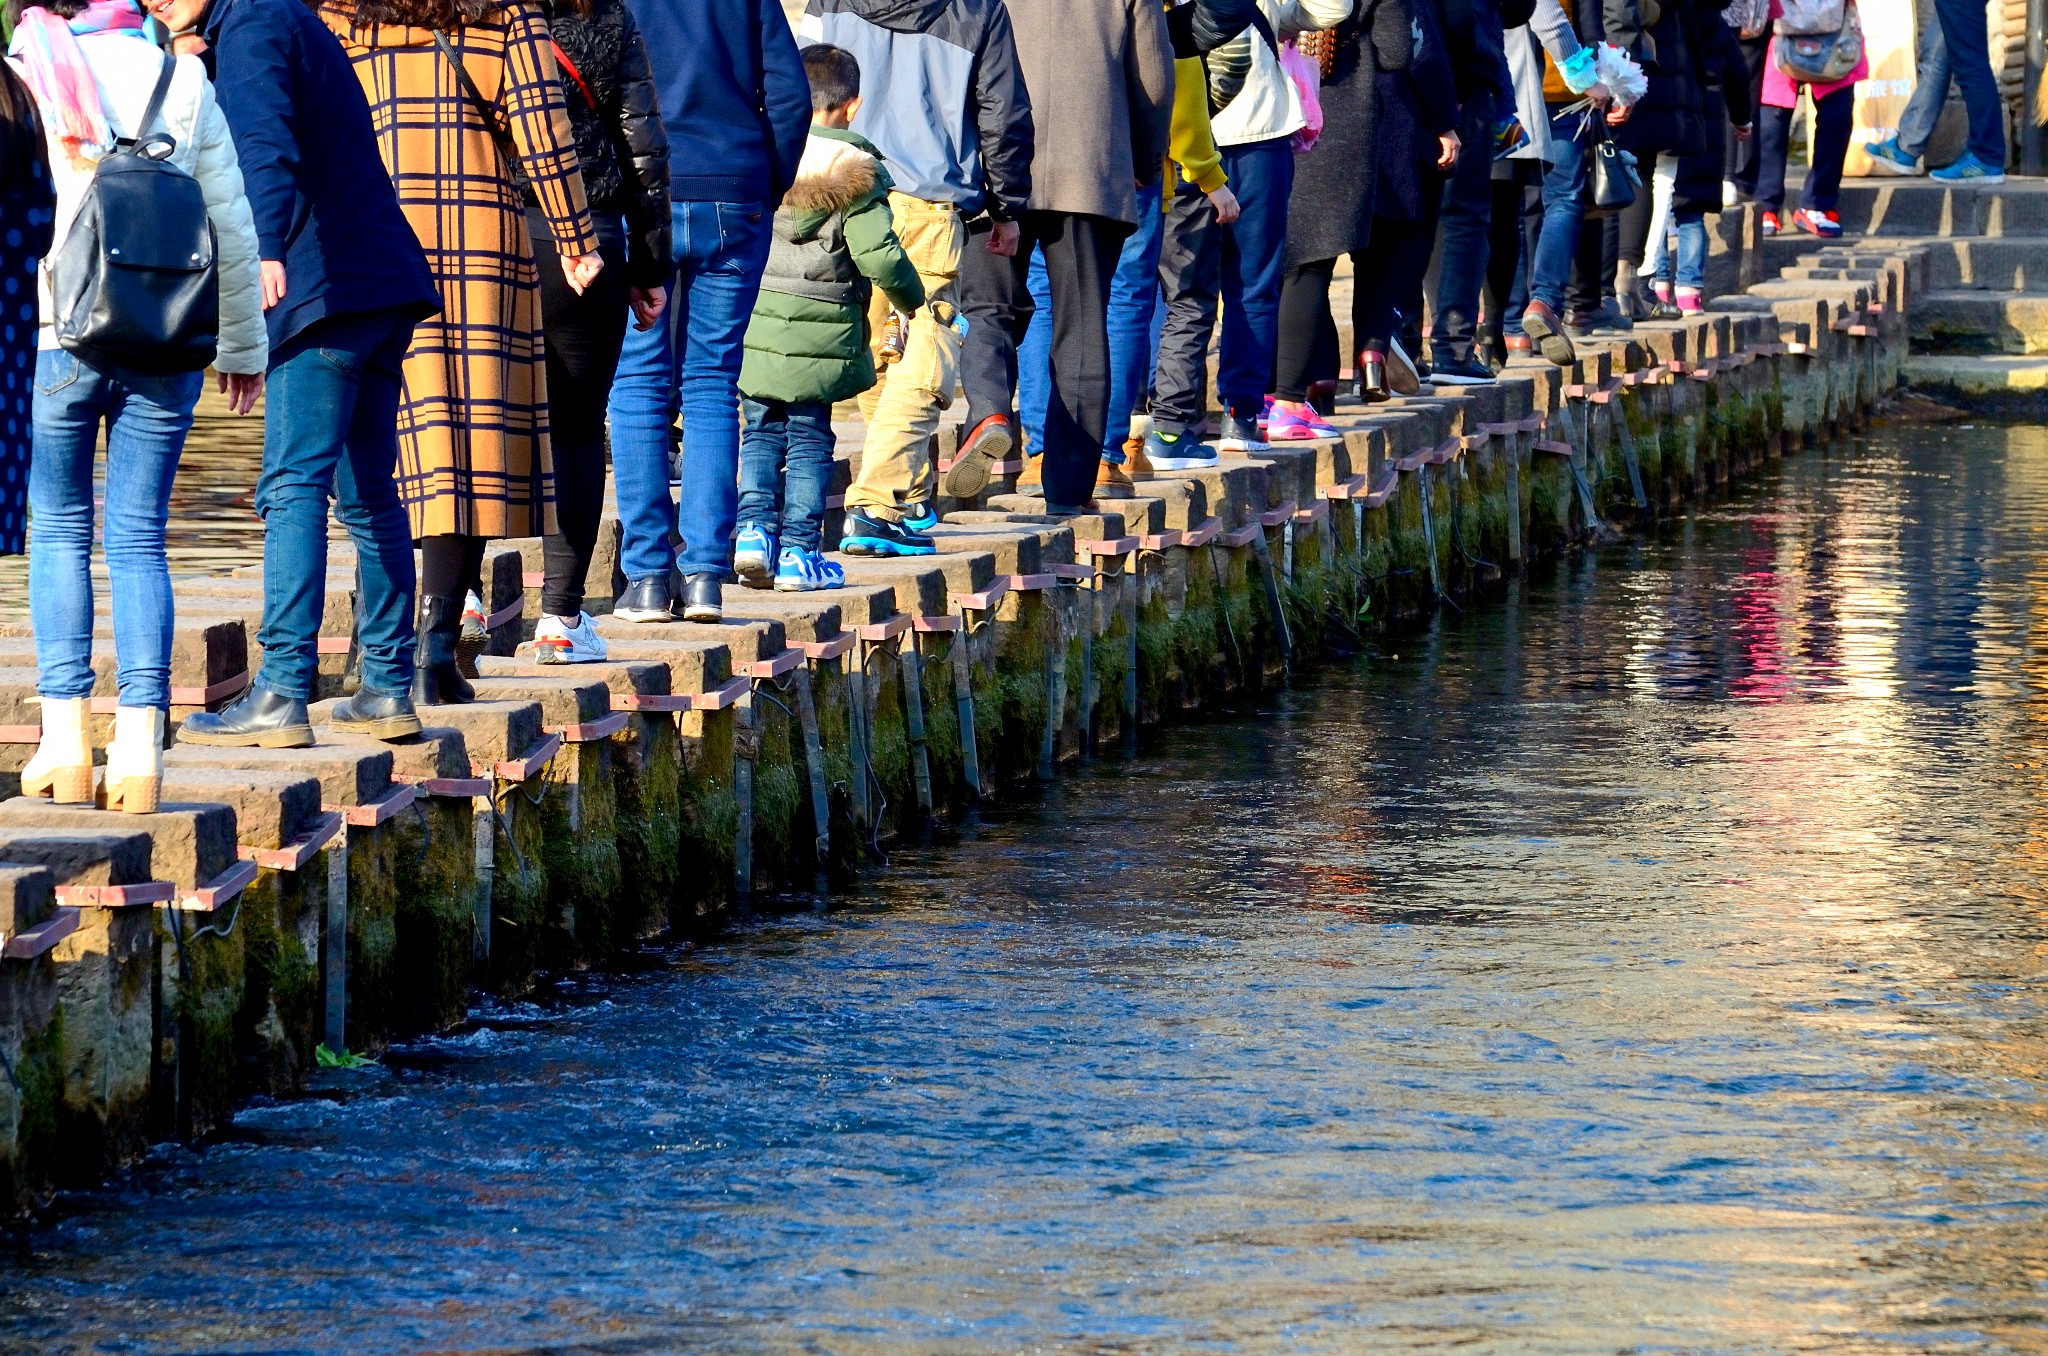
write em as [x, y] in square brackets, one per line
[604, 727]
[116, 896]
[217, 892]
[298, 851]
[986, 599]
[43, 937]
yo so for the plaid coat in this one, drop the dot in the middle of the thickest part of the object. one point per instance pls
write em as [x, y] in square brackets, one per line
[473, 421]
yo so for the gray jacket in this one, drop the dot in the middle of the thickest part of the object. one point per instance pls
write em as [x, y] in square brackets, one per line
[1100, 80]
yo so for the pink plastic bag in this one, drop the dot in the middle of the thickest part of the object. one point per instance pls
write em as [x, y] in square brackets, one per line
[1308, 82]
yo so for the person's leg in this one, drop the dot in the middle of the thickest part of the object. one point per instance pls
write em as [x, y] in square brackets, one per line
[997, 303]
[1190, 264]
[1080, 255]
[764, 451]
[1746, 157]
[1564, 211]
[1774, 136]
[1657, 246]
[1133, 298]
[1930, 91]
[1963, 30]
[1691, 271]
[145, 437]
[1466, 240]
[71, 400]
[643, 414]
[1304, 308]
[1254, 262]
[725, 250]
[1504, 230]
[809, 472]
[585, 333]
[1372, 289]
[367, 504]
[1034, 356]
[1832, 119]
[902, 410]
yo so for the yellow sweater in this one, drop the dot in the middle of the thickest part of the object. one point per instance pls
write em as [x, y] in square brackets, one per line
[1190, 144]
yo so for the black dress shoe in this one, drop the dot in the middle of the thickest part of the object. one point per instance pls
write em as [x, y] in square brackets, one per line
[376, 715]
[435, 679]
[703, 598]
[262, 719]
[645, 600]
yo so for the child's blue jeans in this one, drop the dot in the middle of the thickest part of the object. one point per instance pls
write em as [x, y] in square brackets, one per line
[1691, 263]
[785, 466]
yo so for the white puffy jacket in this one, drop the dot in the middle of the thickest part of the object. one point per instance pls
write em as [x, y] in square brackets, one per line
[126, 68]
[1269, 106]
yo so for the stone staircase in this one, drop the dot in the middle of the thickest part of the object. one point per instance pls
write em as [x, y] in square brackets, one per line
[1980, 308]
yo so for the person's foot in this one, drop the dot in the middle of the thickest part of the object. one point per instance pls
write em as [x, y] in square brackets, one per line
[1292, 423]
[1887, 157]
[799, 571]
[1969, 170]
[1767, 222]
[919, 516]
[376, 715]
[1372, 377]
[1664, 308]
[261, 719]
[1827, 225]
[645, 600]
[1322, 397]
[1518, 343]
[1451, 370]
[869, 534]
[1265, 419]
[1178, 452]
[1239, 435]
[1136, 464]
[985, 445]
[704, 598]
[1402, 377]
[1688, 301]
[475, 637]
[1031, 480]
[437, 678]
[753, 557]
[1111, 482]
[1542, 326]
[562, 640]
[1069, 510]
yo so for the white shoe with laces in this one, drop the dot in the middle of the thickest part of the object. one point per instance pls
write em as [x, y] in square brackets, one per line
[556, 641]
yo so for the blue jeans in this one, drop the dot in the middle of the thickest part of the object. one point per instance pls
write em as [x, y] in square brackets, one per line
[1564, 210]
[785, 464]
[1930, 92]
[1133, 333]
[688, 364]
[1254, 265]
[1692, 249]
[1969, 59]
[147, 418]
[331, 423]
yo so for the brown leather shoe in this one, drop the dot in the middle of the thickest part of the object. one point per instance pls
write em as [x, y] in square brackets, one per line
[987, 443]
[1541, 324]
[1030, 481]
[1112, 483]
[1136, 463]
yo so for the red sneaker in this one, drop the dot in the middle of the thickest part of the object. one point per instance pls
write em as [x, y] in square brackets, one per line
[1825, 224]
[1769, 223]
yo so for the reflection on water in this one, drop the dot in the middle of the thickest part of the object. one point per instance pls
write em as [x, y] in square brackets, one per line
[1653, 961]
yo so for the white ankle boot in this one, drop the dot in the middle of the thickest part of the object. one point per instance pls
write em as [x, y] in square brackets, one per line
[62, 767]
[135, 760]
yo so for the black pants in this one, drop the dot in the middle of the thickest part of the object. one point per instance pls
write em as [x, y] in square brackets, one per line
[1080, 258]
[584, 335]
[1389, 277]
[450, 566]
[1506, 247]
[1832, 118]
[1466, 238]
[1745, 157]
[1593, 264]
[1308, 333]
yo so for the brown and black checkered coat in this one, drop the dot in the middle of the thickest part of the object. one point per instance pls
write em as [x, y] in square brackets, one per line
[473, 423]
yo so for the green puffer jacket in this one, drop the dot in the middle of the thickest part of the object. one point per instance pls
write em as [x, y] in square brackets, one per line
[808, 340]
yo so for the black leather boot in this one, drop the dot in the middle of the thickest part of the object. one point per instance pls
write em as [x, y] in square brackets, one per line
[375, 715]
[262, 719]
[435, 679]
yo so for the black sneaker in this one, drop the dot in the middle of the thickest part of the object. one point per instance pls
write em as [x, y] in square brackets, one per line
[704, 598]
[869, 534]
[1454, 371]
[645, 600]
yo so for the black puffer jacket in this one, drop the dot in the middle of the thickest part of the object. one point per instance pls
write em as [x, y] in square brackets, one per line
[619, 137]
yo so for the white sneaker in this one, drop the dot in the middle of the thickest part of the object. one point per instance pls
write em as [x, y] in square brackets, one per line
[557, 642]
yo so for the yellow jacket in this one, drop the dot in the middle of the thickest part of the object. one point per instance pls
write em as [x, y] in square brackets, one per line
[1190, 144]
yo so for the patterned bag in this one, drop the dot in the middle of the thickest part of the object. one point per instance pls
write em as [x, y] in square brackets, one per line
[1808, 52]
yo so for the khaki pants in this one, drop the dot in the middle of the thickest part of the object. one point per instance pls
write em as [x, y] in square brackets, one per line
[902, 407]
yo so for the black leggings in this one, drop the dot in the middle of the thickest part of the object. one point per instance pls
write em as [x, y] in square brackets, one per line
[584, 336]
[451, 566]
[1307, 351]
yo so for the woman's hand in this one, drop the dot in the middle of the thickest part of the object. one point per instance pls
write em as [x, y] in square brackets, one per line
[581, 270]
[1228, 209]
[273, 282]
[1447, 147]
[243, 389]
[648, 303]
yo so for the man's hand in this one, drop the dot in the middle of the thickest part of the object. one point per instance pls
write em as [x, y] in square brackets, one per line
[1742, 132]
[581, 270]
[1228, 208]
[648, 303]
[1447, 147]
[1002, 239]
[273, 283]
[243, 389]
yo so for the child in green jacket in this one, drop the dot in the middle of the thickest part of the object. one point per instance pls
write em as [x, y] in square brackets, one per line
[807, 345]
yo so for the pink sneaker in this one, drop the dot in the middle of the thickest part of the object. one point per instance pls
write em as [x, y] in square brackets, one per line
[1297, 424]
[1688, 299]
[1265, 414]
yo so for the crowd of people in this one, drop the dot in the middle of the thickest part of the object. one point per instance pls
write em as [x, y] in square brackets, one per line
[469, 253]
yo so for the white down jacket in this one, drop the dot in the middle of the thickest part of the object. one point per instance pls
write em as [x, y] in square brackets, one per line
[126, 67]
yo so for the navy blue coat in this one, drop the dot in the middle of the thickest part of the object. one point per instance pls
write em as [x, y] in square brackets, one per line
[323, 202]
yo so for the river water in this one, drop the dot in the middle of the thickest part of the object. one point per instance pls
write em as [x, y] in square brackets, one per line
[1652, 960]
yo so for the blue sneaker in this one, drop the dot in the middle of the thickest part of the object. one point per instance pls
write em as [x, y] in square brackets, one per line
[1887, 158]
[1969, 170]
[867, 535]
[1178, 452]
[830, 573]
[753, 557]
[920, 517]
[806, 572]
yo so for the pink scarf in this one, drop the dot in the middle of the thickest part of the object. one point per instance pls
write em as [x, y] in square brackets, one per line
[55, 69]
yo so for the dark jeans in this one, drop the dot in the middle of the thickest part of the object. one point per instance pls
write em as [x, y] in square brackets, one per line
[584, 335]
[1970, 65]
[1243, 266]
[785, 467]
[688, 364]
[1507, 254]
[1823, 188]
[1389, 275]
[995, 295]
[332, 425]
[1466, 239]
[1564, 210]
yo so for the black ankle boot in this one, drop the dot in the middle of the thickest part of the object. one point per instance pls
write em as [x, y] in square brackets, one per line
[375, 715]
[435, 679]
[262, 719]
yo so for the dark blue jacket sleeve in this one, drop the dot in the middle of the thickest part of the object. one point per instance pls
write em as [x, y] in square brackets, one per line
[257, 71]
[1002, 116]
[785, 97]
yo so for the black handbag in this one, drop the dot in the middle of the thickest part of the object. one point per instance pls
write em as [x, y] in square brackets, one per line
[1612, 178]
[136, 284]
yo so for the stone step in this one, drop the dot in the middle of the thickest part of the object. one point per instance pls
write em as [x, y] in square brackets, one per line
[2014, 263]
[1969, 320]
[2004, 377]
[1925, 208]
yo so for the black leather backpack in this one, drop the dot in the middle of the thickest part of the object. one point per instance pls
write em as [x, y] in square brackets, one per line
[136, 284]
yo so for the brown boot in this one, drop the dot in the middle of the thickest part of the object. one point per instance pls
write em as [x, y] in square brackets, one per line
[1136, 464]
[1030, 482]
[1111, 482]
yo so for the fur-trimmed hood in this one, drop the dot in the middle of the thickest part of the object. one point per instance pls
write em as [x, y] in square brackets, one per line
[838, 171]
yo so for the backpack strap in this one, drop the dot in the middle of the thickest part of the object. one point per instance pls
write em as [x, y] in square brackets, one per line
[499, 133]
[155, 109]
